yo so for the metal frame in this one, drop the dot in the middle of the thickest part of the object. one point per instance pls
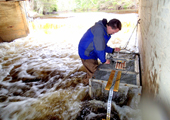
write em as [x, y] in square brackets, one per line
[136, 66]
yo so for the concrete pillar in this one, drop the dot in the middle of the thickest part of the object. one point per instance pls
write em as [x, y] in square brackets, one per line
[154, 48]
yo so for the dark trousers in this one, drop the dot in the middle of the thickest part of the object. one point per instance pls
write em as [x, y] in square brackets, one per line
[91, 66]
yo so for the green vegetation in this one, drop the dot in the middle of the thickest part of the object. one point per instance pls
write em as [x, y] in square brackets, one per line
[44, 6]
[49, 6]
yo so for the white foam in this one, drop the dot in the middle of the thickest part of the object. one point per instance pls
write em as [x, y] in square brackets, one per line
[13, 110]
[3, 91]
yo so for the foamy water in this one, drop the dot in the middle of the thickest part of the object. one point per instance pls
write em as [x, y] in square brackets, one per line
[41, 74]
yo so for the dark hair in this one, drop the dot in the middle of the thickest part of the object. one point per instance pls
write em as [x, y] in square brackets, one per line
[115, 23]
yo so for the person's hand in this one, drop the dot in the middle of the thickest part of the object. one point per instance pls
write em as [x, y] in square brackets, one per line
[117, 50]
[107, 61]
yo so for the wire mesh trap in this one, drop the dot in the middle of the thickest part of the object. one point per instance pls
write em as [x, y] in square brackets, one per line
[129, 88]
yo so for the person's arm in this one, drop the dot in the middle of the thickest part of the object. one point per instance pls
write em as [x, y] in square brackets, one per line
[109, 49]
[112, 50]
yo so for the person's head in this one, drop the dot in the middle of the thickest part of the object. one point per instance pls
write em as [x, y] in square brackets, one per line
[113, 26]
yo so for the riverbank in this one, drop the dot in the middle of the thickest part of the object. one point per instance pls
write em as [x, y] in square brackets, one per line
[66, 14]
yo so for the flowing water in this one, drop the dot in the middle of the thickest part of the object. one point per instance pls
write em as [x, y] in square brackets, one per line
[41, 74]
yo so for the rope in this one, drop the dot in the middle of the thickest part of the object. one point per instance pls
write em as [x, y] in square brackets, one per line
[138, 22]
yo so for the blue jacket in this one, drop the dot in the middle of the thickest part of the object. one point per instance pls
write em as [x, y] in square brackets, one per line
[93, 44]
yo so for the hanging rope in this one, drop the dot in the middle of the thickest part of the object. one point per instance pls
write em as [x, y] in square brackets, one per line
[138, 22]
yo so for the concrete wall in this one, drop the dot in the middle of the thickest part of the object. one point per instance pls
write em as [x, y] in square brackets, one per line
[154, 47]
[13, 23]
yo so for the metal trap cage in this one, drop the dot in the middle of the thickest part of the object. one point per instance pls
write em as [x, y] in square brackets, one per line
[128, 75]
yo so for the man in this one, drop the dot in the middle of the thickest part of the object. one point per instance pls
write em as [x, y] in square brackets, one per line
[93, 45]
